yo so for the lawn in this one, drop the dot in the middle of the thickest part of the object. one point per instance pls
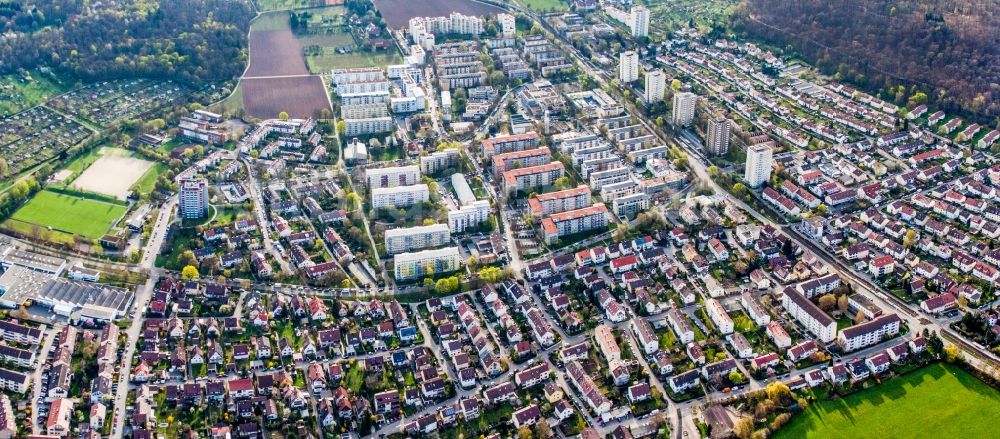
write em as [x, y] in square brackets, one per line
[329, 59]
[545, 5]
[147, 182]
[89, 218]
[937, 401]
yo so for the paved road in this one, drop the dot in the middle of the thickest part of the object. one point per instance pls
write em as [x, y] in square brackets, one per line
[139, 305]
[36, 376]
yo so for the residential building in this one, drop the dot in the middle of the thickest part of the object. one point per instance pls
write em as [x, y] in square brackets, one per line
[574, 221]
[392, 176]
[193, 197]
[630, 205]
[438, 161]
[411, 266]
[656, 86]
[809, 315]
[514, 142]
[639, 21]
[719, 316]
[507, 25]
[521, 159]
[758, 165]
[416, 238]
[717, 139]
[560, 201]
[628, 66]
[868, 333]
[523, 179]
[400, 196]
[469, 216]
[683, 109]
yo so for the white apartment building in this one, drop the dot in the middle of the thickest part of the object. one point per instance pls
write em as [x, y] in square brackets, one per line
[680, 325]
[758, 166]
[610, 176]
[361, 74]
[639, 21]
[409, 266]
[656, 86]
[358, 127]
[610, 192]
[193, 197]
[628, 66]
[364, 111]
[683, 109]
[470, 215]
[507, 25]
[462, 189]
[400, 196]
[392, 176]
[560, 201]
[438, 161]
[416, 238]
[717, 139]
[574, 221]
[809, 315]
[630, 205]
[868, 333]
[719, 316]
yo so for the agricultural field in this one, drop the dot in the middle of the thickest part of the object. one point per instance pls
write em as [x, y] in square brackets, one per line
[33, 136]
[397, 13]
[18, 91]
[274, 51]
[106, 103]
[300, 96]
[937, 401]
[86, 217]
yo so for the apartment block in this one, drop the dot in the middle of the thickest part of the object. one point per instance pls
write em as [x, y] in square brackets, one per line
[522, 179]
[574, 221]
[521, 159]
[392, 176]
[416, 238]
[409, 266]
[630, 205]
[628, 67]
[469, 216]
[511, 143]
[683, 109]
[439, 161]
[868, 333]
[809, 315]
[560, 201]
[758, 165]
[400, 196]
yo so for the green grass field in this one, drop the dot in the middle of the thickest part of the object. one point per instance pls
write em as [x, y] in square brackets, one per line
[330, 60]
[545, 5]
[89, 218]
[939, 401]
[270, 21]
[18, 92]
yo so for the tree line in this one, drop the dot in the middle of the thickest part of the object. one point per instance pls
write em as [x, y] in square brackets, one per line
[945, 49]
[184, 40]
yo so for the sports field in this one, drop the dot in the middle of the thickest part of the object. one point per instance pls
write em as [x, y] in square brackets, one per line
[938, 401]
[85, 217]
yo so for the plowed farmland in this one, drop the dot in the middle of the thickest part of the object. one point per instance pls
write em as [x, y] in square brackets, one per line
[275, 53]
[299, 96]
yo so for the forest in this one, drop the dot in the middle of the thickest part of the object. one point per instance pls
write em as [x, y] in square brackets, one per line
[944, 49]
[187, 40]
